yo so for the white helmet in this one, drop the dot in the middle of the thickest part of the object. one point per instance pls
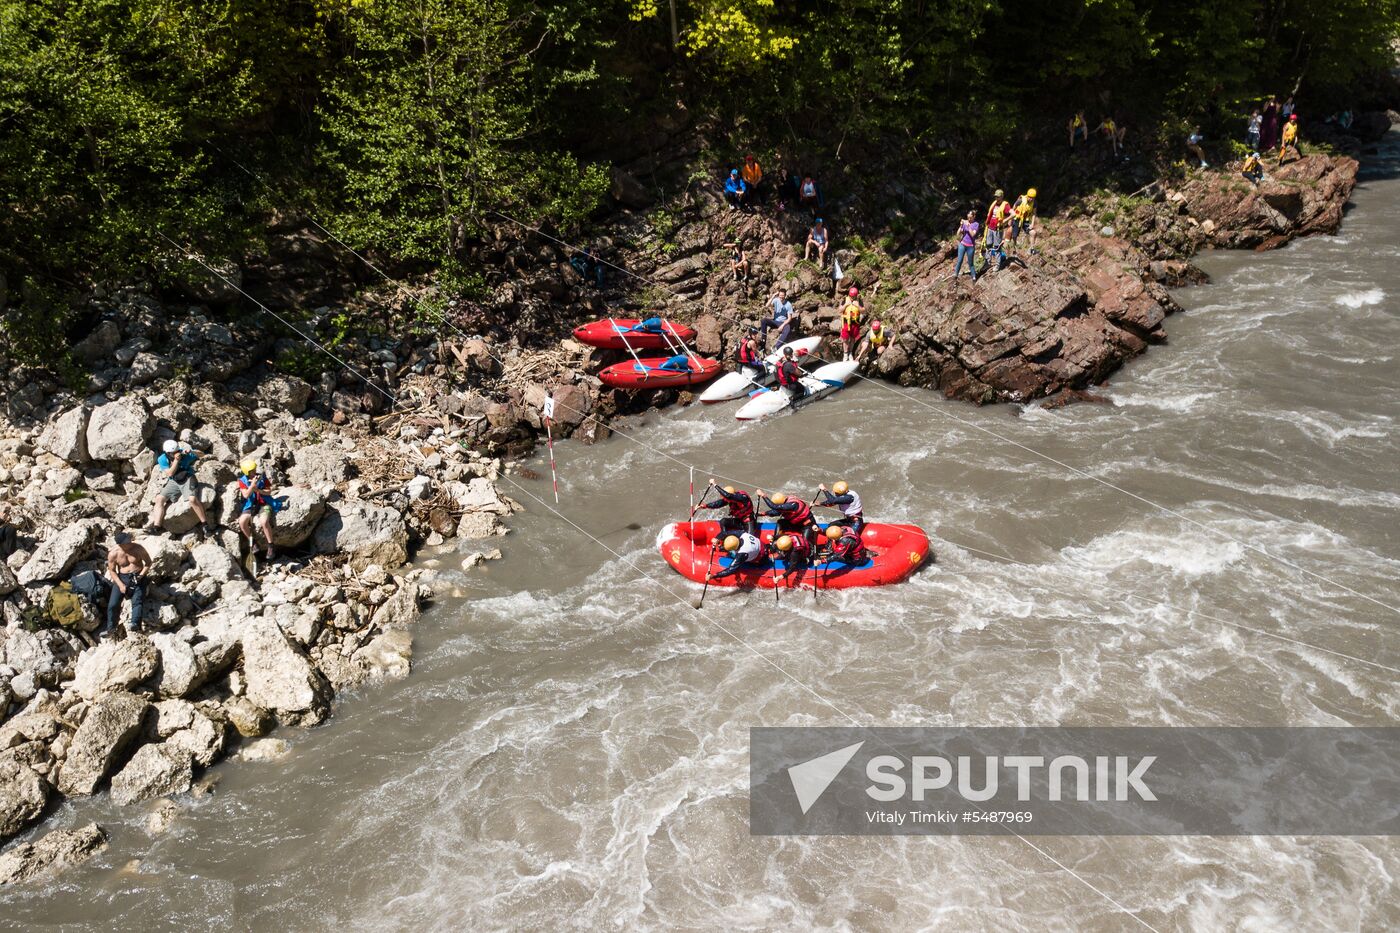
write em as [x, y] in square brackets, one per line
[170, 447]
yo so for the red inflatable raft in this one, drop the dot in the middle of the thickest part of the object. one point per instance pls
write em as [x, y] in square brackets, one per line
[648, 374]
[895, 552]
[617, 334]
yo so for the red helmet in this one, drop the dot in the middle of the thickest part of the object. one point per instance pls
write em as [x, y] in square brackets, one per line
[874, 325]
[1292, 118]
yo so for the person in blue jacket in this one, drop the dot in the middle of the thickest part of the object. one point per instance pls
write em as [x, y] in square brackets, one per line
[736, 190]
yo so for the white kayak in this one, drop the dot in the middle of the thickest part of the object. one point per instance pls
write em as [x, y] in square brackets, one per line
[820, 383]
[740, 383]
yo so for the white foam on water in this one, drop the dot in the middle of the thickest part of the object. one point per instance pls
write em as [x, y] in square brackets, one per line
[1162, 401]
[1363, 299]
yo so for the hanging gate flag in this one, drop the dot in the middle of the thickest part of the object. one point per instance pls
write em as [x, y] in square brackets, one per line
[836, 272]
[548, 413]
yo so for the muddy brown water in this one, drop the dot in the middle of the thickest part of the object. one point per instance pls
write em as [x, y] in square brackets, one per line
[571, 749]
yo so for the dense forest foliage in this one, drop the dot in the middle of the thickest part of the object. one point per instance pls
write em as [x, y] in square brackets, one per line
[404, 122]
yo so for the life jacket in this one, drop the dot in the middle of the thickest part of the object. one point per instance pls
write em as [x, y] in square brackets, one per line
[788, 372]
[851, 314]
[749, 547]
[747, 354]
[854, 507]
[878, 337]
[800, 548]
[849, 549]
[740, 505]
[798, 516]
[1025, 208]
[809, 188]
[258, 500]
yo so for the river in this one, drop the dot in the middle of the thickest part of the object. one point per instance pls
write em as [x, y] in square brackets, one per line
[571, 750]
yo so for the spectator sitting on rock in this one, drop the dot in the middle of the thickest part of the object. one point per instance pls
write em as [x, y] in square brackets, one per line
[821, 239]
[753, 177]
[1253, 168]
[127, 565]
[809, 196]
[177, 463]
[736, 190]
[738, 260]
[257, 506]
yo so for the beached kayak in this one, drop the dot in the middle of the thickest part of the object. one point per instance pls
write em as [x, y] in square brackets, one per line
[820, 383]
[741, 382]
[616, 334]
[895, 552]
[648, 374]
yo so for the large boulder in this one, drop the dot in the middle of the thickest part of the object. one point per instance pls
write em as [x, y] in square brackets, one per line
[8, 581]
[320, 466]
[166, 556]
[118, 430]
[365, 534]
[66, 436]
[399, 610]
[280, 678]
[99, 345]
[215, 562]
[114, 665]
[112, 722]
[479, 495]
[388, 656]
[46, 655]
[302, 508]
[54, 852]
[182, 671]
[154, 771]
[23, 794]
[203, 739]
[59, 552]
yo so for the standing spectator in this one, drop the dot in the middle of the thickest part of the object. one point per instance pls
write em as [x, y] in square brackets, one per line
[1287, 111]
[852, 314]
[992, 246]
[821, 239]
[9, 538]
[1023, 218]
[1193, 145]
[1290, 139]
[177, 462]
[967, 245]
[735, 190]
[781, 318]
[809, 196]
[257, 506]
[1078, 128]
[1113, 133]
[998, 215]
[1256, 124]
[1268, 136]
[752, 174]
[789, 185]
[127, 565]
[738, 261]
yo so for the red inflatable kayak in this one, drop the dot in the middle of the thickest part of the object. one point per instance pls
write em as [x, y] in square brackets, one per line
[895, 552]
[648, 374]
[616, 334]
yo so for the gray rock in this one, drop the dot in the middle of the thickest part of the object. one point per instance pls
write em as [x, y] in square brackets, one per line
[388, 655]
[66, 436]
[8, 582]
[477, 525]
[59, 552]
[249, 719]
[110, 725]
[399, 610]
[99, 345]
[182, 671]
[148, 367]
[281, 678]
[23, 794]
[215, 562]
[320, 465]
[114, 666]
[172, 716]
[118, 430]
[365, 534]
[39, 725]
[264, 750]
[45, 657]
[60, 849]
[166, 556]
[285, 393]
[302, 509]
[154, 771]
[204, 739]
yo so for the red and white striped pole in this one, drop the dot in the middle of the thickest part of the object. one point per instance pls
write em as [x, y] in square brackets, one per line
[692, 521]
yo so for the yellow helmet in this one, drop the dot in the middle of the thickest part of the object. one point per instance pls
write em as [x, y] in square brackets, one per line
[1030, 192]
[784, 543]
[731, 543]
[778, 498]
[840, 487]
[248, 467]
[729, 489]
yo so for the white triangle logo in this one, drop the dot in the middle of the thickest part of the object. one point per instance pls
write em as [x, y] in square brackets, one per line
[811, 778]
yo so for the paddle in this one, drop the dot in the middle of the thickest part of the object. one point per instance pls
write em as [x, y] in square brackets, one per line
[709, 569]
[776, 600]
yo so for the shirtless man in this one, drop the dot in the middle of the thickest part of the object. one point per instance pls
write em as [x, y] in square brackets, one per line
[127, 564]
